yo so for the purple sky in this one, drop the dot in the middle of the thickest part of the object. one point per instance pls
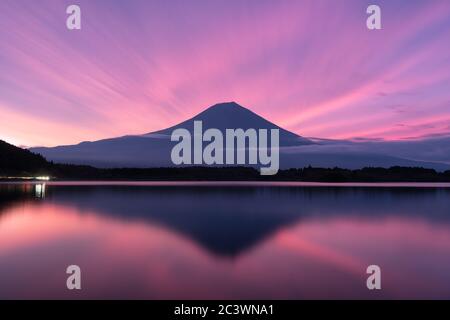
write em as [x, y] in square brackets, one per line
[138, 66]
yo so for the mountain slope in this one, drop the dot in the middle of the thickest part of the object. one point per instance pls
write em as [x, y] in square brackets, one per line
[154, 149]
[228, 115]
[14, 160]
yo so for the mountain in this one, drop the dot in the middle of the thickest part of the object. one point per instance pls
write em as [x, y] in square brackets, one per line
[435, 149]
[231, 115]
[433, 153]
[18, 161]
[154, 149]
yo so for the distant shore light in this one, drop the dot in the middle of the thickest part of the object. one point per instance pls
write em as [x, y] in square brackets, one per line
[43, 178]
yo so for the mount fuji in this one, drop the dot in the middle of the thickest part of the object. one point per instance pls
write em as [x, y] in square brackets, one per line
[154, 149]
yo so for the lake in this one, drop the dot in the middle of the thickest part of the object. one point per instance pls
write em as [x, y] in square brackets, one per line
[184, 240]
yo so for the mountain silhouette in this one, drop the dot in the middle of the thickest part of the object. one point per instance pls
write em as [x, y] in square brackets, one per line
[230, 115]
[153, 149]
[17, 161]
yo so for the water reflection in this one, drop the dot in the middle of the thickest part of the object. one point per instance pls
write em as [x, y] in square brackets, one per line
[224, 242]
[40, 190]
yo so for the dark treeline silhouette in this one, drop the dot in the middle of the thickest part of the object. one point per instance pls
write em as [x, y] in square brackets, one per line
[17, 162]
[399, 174]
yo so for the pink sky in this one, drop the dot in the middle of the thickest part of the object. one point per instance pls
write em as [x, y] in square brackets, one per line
[139, 66]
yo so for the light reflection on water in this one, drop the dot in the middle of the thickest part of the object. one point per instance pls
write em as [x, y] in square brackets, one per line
[247, 241]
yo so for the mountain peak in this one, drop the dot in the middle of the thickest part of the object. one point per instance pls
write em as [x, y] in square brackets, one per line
[231, 115]
[225, 106]
[230, 104]
[228, 112]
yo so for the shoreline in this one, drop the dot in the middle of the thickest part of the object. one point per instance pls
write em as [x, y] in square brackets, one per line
[187, 183]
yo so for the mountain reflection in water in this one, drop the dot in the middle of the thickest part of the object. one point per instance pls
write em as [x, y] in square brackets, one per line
[206, 241]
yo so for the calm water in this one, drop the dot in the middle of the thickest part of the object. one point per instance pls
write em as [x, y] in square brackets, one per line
[208, 240]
